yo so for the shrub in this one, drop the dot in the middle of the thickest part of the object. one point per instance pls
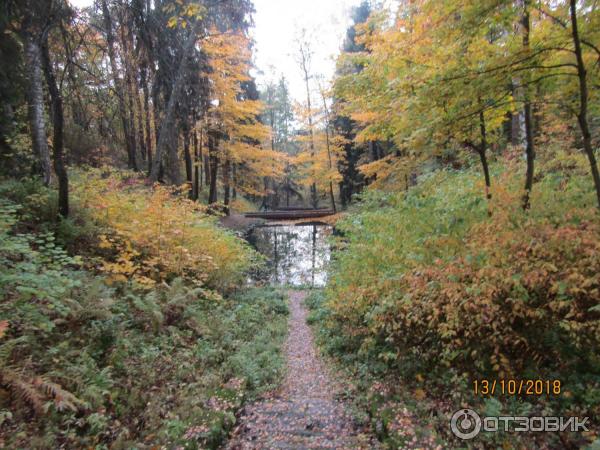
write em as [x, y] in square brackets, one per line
[520, 304]
[149, 235]
[84, 364]
[438, 287]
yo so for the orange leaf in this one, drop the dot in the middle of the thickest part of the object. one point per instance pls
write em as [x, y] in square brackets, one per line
[3, 327]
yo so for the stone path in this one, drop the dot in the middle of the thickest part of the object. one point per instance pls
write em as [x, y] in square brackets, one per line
[304, 413]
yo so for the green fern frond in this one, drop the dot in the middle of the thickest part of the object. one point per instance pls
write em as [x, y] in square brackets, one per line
[7, 348]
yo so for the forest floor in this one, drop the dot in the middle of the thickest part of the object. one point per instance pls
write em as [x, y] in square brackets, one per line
[304, 413]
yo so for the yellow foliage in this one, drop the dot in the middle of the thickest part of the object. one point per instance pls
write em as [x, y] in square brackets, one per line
[152, 235]
[317, 163]
[232, 114]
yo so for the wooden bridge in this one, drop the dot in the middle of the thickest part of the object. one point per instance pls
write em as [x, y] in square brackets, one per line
[290, 214]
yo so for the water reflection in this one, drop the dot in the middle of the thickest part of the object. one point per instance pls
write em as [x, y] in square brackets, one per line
[297, 254]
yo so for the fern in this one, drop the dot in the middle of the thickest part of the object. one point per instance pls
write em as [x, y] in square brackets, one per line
[7, 348]
[23, 389]
[63, 399]
[150, 307]
[35, 392]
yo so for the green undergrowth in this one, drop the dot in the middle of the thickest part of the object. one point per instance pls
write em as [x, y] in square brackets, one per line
[434, 288]
[88, 364]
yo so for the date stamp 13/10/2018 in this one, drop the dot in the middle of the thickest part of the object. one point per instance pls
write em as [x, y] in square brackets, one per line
[516, 387]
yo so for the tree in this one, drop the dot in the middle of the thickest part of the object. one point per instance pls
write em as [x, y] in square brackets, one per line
[326, 124]
[583, 98]
[167, 135]
[32, 26]
[58, 126]
[445, 75]
[529, 146]
[35, 21]
[278, 115]
[352, 180]
[234, 131]
[304, 57]
[119, 86]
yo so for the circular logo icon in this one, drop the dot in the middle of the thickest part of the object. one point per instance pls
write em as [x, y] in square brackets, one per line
[465, 424]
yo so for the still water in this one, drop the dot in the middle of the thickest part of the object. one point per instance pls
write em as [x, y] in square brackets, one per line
[297, 255]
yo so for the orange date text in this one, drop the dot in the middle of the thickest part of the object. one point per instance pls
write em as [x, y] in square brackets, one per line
[515, 387]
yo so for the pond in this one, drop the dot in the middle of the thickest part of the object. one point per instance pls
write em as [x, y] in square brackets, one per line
[297, 255]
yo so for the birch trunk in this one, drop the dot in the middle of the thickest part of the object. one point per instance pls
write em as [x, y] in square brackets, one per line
[35, 94]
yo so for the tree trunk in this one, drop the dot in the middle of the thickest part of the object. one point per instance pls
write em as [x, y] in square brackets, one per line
[583, 99]
[35, 94]
[265, 201]
[530, 155]
[197, 171]
[157, 107]
[517, 126]
[129, 95]
[226, 184]
[57, 138]
[206, 162]
[313, 186]
[144, 83]
[234, 176]
[167, 130]
[331, 195]
[187, 155]
[529, 146]
[482, 155]
[214, 167]
[119, 89]
[140, 119]
[172, 166]
[373, 150]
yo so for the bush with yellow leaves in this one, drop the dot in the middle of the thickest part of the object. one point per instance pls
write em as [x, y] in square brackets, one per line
[150, 235]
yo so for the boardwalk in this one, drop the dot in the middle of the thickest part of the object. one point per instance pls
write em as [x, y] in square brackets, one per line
[290, 214]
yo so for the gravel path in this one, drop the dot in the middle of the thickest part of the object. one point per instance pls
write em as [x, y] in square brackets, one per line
[304, 413]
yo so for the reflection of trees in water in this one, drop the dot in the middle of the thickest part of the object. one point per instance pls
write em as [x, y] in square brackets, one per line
[297, 254]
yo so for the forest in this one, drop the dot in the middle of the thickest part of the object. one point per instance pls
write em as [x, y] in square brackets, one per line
[448, 262]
